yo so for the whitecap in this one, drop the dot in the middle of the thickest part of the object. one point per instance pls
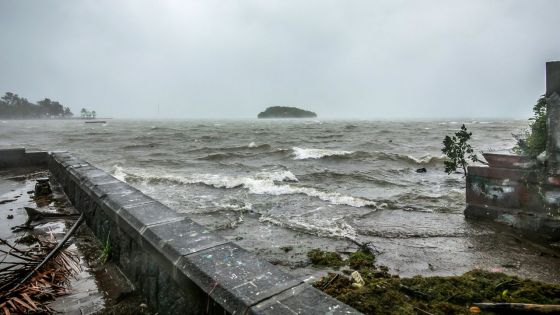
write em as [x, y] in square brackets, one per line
[119, 173]
[252, 145]
[426, 159]
[330, 227]
[304, 154]
[262, 183]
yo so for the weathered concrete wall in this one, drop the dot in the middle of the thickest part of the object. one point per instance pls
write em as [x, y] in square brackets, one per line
[20, 158]
[181, 267]
[527, 200]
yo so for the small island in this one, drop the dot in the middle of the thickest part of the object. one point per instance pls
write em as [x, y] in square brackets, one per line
[286, 112]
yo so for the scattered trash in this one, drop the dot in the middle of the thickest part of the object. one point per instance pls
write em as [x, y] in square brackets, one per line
[358, 280]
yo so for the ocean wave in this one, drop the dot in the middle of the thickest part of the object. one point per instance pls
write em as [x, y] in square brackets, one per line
[328, 175]
[262, 183]
[119, 173]
[425, 159]
[304, 154]
[220, 156]
[252, 146]
[336, 228]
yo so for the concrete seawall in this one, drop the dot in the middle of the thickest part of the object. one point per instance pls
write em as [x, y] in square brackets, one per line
[515, 197]
[178, 265]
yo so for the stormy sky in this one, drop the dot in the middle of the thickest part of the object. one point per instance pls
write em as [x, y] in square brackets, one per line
[388, 59]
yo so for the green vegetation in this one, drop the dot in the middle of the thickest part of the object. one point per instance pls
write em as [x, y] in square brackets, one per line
[356, 260]
[326, 259]
[14, 106]
[458, 151]
[86, 114]
[105, 251]
[286, 112]
[533, 141]
[361, 259]
[384, 293]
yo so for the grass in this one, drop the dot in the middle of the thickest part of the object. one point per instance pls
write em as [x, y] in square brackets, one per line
[106, 250]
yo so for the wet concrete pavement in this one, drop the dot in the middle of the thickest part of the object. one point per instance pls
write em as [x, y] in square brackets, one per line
[88, 292]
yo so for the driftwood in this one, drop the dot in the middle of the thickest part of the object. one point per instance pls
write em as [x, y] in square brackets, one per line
[54, 251]
[35, 275]
[507, 308]
[36, 215]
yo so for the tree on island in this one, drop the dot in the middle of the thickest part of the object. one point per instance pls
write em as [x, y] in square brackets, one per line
[286, 112]
[86, 114]
[14, 106]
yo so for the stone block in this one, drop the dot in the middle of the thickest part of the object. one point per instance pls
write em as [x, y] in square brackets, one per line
[235, 278]
[302, 299]
[134, 218]
[178, 238]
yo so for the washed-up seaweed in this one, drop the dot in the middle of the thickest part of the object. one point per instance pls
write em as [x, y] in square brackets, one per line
[477, 290]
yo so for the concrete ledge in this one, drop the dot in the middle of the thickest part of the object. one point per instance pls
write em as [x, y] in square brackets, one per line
[177, 264]
[20, 158]
[503, 173]
[302, 299]
[235, 278]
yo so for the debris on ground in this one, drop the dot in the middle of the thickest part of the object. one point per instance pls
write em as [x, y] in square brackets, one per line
[48, 282]
[383, 293]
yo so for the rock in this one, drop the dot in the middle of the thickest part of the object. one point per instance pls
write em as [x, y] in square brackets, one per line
[286, 112]
[421, 170]
[10, 216]
[287, 248]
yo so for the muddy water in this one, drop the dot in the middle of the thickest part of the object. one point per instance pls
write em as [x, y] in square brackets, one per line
[304, 184]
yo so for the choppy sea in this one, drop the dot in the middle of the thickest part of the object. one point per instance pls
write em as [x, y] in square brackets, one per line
[282, 187]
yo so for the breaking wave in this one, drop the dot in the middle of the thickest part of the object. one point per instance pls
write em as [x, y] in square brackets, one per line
[304, 154]
[262, 183]
[336, 228]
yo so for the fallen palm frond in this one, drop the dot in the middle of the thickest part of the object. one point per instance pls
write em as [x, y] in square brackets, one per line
[24, 287]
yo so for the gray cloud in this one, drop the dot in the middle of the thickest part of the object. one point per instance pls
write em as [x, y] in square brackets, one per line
[230, 59]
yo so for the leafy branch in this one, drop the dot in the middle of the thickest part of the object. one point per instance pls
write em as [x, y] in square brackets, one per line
[458, 151]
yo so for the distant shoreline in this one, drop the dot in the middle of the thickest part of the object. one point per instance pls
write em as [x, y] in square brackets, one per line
[57, 118]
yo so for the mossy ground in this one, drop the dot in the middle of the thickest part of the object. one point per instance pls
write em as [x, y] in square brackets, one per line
[384, 293]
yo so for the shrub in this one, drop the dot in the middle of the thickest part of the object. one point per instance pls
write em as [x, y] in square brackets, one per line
[458, 151]
[533, 141]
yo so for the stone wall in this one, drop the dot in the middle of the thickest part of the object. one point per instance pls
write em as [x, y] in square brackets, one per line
[179, 266]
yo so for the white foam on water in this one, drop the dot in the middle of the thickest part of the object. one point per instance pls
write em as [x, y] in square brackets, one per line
[119, 173]
[262, 183]
[334, 227]
[428, 158]
[252, 145]
[304, 154]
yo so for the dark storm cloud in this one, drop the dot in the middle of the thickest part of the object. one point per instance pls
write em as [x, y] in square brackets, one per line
[230, 59]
